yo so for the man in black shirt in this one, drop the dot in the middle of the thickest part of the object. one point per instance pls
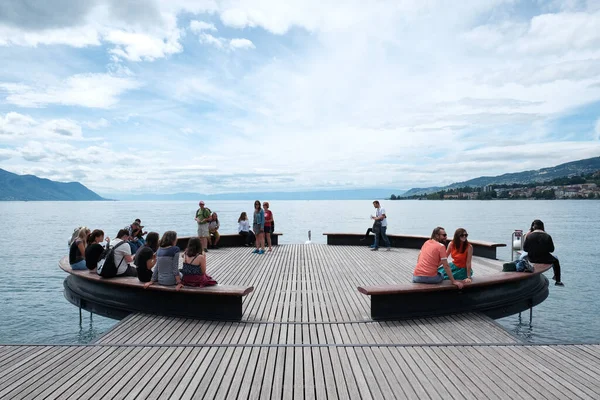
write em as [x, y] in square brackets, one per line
[538, 245]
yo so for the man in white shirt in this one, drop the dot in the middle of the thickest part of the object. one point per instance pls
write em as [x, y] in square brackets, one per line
[123, 255]
[380, 216]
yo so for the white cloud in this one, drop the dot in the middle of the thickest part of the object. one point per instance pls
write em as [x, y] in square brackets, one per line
[84, 90]
[78, 37]
[335, 93]
[15, 127]
[7, 154]
[241, 44]
[139, 46]
[98, 124]
[207, 38]
[222, 43]
[199, 26]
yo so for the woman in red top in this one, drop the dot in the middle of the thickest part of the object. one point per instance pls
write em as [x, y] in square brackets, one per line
[462, 253]
[269, 223]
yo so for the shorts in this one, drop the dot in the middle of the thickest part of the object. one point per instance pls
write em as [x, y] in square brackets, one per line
[268, 229]
[79, 266]
[202, 230]
[428, 279]
[256, 228]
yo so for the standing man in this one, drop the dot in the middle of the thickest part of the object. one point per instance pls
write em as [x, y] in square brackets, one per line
[380, 216]
[203, 218]
[432, 255]
[538, 245]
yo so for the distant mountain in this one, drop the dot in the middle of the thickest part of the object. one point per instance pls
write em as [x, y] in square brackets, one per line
[29, 187]
[541, 175]
[356, 194]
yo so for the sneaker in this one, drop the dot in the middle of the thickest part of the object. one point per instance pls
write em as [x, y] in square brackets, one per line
[205, 250]
[388, 249]
[374, 248]
[261, 251]
[363, 239]
[559, 284]
[553, 278]
[255, 251]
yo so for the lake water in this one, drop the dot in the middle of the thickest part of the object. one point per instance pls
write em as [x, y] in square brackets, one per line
[34, 237]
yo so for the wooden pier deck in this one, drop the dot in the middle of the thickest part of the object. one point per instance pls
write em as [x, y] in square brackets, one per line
[306, 333]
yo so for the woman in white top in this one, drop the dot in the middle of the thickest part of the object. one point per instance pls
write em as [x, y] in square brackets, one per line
[244, 229]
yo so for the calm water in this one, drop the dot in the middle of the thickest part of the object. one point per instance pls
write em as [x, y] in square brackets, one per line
[34, 237]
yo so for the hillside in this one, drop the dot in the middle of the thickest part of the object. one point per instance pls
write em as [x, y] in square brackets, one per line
[353, 194]
[31, 188]
[533, 176]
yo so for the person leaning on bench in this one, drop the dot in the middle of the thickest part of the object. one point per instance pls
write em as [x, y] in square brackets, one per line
[432, 255]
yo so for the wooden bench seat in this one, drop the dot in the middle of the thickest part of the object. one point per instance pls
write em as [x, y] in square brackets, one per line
[229, 240]
[480, 248]
[117, 297]
[520, 289]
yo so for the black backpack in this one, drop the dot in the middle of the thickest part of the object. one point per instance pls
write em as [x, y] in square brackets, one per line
[106, 265]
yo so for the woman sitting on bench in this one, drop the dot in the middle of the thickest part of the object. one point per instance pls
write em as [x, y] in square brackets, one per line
[194, 265]
[462, 254]
[166, 271]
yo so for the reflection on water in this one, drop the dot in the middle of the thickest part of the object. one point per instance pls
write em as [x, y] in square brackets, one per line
[34, 309]
[523, 328]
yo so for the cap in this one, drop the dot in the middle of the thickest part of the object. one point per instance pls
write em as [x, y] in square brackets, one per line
[201, 203]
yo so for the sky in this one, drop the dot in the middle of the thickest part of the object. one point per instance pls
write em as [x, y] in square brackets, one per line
[210, 96]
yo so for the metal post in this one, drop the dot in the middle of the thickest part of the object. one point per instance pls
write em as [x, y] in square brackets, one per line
[530, 315]
[80, 317]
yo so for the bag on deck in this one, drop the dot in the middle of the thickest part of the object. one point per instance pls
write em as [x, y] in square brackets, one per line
[106, 265]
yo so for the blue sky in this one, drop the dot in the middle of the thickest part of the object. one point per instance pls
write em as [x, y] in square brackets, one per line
[262, 95]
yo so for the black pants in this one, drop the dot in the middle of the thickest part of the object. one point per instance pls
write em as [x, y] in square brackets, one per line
[249, 237]
[550, 259]
[130, 271]
[556, 268]
[374, 233]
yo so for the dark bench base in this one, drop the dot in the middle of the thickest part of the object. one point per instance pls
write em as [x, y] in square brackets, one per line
[495, 301]
[480, 249]
[117, 302]
[229, 240]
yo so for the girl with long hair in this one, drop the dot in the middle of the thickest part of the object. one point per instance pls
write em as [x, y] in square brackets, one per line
[94, 249]
[166, 271]
[244, 229]
[77, 250]
[258, 226]
[194, 265]
[145, 258]
[462, 254]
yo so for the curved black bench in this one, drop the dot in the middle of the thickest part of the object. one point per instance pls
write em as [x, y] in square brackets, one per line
[480, 248]
[118, 297]
[229, 240]
[496, 295]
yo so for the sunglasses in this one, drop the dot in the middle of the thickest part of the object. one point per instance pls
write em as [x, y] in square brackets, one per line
[444, 235]
[464, 235]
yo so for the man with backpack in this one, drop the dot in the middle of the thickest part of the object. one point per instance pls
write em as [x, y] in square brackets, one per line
[122, 255]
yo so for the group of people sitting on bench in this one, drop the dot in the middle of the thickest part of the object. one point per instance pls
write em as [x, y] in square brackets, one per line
[156, 261]
[433, 265]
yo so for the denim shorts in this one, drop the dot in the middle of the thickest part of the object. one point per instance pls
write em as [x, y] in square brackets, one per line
[428, 279]
[78, 266]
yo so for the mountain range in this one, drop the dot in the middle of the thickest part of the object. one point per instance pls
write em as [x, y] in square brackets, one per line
[352, 194]
[30, 187]
[533, 176]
